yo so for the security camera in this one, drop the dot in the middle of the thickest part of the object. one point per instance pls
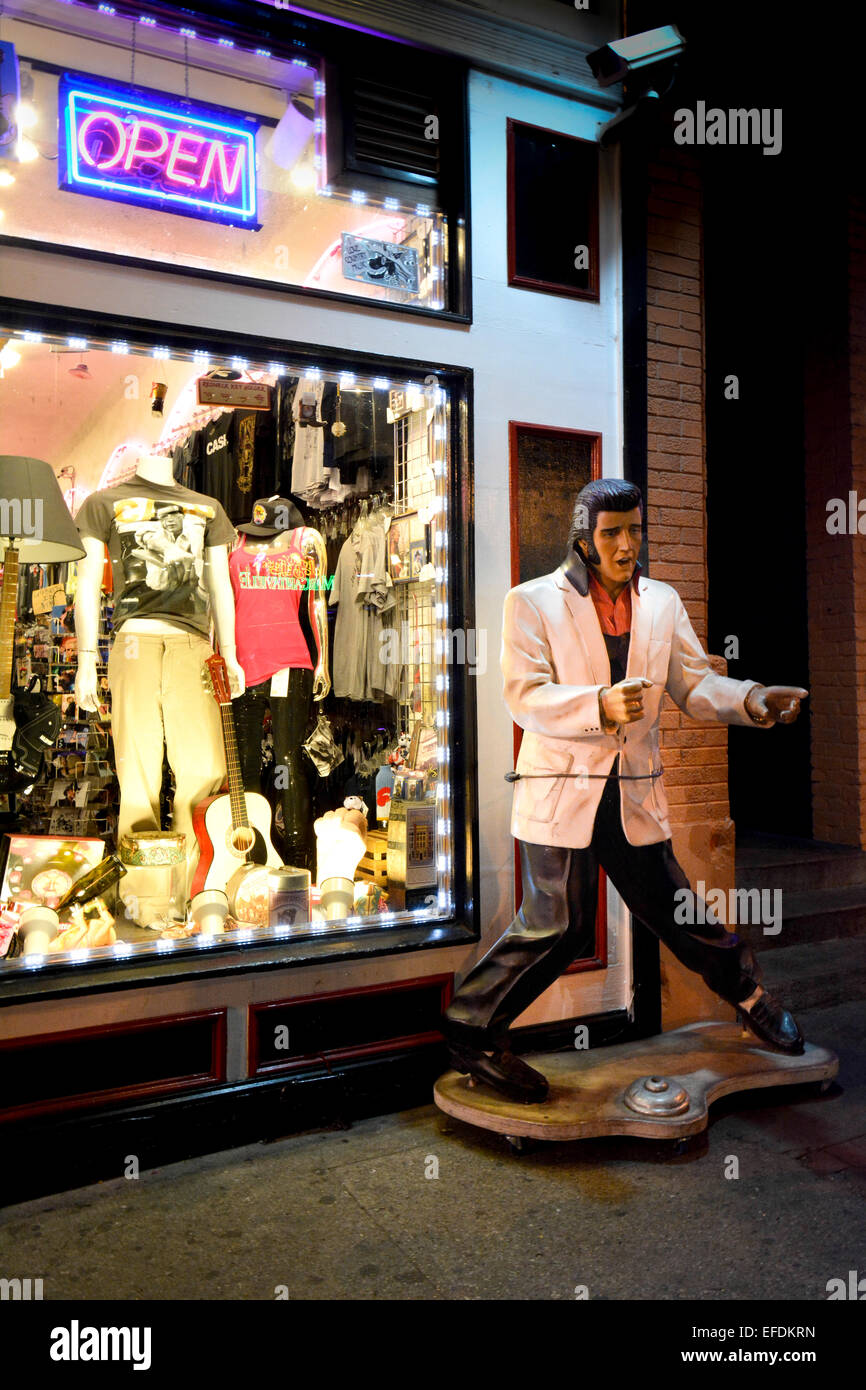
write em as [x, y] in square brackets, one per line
[625, 57]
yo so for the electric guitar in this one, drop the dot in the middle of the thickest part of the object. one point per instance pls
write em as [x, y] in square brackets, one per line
[234, 827]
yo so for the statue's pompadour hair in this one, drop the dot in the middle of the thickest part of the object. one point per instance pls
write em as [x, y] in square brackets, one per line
[601, 495]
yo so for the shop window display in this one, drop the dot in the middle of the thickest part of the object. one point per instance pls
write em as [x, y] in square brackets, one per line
[180, 147]
[250, 661]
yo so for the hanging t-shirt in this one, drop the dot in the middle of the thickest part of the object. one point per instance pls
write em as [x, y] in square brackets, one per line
[214, 472]
[253, 461]
[363, 591]
[369, 439]
[184, 460]
[268, 589]
[156, 537]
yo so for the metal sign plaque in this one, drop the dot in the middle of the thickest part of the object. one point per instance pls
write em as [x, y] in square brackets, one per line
[381, 263]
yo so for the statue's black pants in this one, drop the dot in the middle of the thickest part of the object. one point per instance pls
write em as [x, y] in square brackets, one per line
[556, 925]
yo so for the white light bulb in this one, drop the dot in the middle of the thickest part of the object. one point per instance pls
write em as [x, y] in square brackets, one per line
[9, 357]
[302, 176]
[6, 179]
[27, 151]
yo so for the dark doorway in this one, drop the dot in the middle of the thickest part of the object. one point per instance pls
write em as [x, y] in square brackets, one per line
[756, 524]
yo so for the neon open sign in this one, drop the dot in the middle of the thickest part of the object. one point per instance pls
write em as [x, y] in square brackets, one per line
[135, 146]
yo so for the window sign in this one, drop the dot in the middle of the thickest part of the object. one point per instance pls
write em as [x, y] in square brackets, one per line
[134, 146]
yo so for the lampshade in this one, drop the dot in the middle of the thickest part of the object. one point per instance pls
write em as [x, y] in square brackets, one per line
[292, 133]
[34, 514]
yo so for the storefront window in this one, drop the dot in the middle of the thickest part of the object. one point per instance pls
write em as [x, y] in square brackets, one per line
[309, 505]
[129, 137]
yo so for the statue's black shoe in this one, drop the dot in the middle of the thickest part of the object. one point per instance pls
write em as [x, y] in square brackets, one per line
[505, 1072]
[773, 1024]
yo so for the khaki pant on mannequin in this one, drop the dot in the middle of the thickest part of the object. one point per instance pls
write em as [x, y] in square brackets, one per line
[157, 698]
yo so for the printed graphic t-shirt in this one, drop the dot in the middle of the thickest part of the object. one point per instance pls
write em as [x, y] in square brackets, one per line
[156, 538]
[214, 461]
[268, 588]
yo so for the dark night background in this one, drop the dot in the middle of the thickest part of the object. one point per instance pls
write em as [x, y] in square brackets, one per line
[775, 286]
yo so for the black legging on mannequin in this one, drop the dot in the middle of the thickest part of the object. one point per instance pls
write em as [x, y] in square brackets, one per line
[290, 715]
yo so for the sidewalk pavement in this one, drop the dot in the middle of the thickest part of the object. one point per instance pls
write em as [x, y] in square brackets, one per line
[419, 1206]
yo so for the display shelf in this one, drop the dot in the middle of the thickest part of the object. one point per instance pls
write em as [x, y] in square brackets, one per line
[43, 810]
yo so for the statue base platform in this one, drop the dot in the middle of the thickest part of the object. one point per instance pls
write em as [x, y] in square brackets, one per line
[654, 1088]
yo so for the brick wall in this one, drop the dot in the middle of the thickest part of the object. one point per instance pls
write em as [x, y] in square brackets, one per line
[857, 417]
[695, 756]
[835, 444]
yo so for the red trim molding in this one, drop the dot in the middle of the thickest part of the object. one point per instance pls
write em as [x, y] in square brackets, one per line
[256, 1067]
[159, 1086]
[598, 960]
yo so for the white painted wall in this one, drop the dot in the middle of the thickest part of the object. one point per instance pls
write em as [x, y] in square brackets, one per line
[536, 358]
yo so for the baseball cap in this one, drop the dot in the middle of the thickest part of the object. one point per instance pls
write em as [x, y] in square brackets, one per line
[272, 515]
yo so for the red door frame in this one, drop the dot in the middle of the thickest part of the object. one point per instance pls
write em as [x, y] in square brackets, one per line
[598, 961]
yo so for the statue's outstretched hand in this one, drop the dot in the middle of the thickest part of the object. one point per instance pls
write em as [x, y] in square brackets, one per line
[778, 702]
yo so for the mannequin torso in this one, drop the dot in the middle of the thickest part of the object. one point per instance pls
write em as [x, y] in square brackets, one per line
[154, 469]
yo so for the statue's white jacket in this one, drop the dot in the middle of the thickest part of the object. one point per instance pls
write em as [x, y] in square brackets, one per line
[555, 663]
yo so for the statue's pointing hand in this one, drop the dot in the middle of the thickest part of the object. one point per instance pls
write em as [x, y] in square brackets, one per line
[780, 703]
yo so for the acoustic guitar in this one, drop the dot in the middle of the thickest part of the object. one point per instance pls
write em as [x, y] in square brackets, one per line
[233, 828]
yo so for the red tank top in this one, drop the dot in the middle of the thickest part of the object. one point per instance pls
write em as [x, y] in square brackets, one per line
[268, 588]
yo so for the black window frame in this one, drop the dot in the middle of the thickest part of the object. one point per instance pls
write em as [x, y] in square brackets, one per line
[463, 926]
[337, 49]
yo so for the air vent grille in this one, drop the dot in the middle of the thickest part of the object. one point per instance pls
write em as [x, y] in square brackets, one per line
[389, 126]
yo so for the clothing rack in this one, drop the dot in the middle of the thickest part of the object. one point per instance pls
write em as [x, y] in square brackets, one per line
[342, 518]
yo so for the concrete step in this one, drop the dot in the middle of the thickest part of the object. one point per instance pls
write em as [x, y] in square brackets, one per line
[825, 914]
[774, 861]
[817, 976]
